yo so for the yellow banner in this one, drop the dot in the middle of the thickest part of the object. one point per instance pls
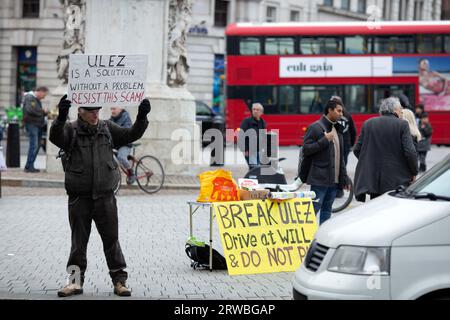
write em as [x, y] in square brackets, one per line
[264, 236]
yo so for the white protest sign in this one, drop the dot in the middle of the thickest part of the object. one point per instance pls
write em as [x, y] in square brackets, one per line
[106, 80]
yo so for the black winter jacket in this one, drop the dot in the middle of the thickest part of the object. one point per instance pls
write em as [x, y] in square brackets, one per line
[250, 124]
[321, 153]
[33, 113]
[92, 171]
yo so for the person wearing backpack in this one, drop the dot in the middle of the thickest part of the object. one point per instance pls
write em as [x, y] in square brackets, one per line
[323, 152]
[90, 177]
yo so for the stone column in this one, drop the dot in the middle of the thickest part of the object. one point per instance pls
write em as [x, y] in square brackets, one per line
[158, 29]
[74, 17]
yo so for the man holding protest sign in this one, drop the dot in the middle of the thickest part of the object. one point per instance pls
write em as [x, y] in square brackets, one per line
[90, 177]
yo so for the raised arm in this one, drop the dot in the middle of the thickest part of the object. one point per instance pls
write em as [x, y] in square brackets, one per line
[123, 136]
[60, 133]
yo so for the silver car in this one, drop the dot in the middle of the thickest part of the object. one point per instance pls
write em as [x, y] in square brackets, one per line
[396, 246]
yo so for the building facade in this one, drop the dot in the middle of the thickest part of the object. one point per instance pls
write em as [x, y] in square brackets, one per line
[387, 10]
[445, 10]
[32, 36]
[206, 42]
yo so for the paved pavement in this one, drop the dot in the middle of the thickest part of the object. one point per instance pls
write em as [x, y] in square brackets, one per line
[34, 233]
[35, 238]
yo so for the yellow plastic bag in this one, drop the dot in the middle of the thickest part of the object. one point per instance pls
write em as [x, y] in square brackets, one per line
[217, 185]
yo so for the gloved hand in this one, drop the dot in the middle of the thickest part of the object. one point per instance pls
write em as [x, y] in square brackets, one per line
[63, 108]
[144, 109]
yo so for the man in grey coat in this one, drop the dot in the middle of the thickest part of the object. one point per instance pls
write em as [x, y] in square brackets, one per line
[386, 155]
[34, 121]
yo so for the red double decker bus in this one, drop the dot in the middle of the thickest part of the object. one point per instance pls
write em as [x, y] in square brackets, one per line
[292, 69]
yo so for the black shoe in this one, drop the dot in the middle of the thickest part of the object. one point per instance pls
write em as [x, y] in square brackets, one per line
[32, 170]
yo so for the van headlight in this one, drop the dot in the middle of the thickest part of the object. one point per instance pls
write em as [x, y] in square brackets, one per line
[360, 260]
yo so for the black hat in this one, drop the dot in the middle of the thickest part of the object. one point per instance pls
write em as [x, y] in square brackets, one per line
[404, 101]
[91, 108]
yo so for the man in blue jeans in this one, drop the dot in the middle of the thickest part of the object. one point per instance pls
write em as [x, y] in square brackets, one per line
[34, 121]
[323, 146]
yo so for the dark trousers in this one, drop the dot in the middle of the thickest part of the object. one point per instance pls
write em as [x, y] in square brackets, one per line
[422, 161]
[362, 197]
[104, 213]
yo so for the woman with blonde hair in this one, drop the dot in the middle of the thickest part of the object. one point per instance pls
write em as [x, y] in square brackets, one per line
[409, 116]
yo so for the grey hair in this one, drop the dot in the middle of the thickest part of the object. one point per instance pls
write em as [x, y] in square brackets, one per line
[389, 105]
[257, 104]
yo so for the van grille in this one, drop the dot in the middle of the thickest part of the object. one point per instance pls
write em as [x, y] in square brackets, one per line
[315, 256]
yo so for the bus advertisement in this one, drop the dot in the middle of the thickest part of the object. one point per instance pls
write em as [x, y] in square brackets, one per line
[292, 69]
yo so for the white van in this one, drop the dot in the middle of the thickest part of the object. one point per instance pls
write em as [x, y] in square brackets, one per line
[396, 246]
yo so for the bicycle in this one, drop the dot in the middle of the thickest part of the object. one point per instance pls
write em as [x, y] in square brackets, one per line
[275, 181]
[148, 171]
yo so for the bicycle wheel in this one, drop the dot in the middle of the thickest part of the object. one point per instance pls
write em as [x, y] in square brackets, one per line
[343, 202]
[149, 174]
[118, 182]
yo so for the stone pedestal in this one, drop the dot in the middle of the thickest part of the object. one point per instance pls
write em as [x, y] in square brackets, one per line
[141, 27]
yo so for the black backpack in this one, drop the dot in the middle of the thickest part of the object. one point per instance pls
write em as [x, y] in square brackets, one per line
[200, 257]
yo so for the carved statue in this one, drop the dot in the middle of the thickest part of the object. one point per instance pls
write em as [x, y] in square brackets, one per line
[180, 12]
[74, 34]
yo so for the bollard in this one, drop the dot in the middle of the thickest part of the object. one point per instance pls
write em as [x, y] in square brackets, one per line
[13, 146]
[218, 160]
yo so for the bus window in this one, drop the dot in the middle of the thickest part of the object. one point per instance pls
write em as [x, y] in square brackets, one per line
[393, 44]
[309, 46]
[429, 43]
[330, 45]
[287, 100]
[381, 92]
[356, 45]
[232, 45]
[320, 45]
[279, 46]
[267, 96]
[355, 98]
[314, 98]
[447, 44]
[250, 46]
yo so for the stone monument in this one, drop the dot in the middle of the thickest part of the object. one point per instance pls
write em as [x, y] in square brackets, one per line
[158, 29]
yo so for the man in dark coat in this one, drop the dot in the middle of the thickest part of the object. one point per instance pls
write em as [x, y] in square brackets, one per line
[386, 154]
[91, 175]
[424, 145]
[323, 146]
[348, 135]
[34, 121]
[249, 142]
